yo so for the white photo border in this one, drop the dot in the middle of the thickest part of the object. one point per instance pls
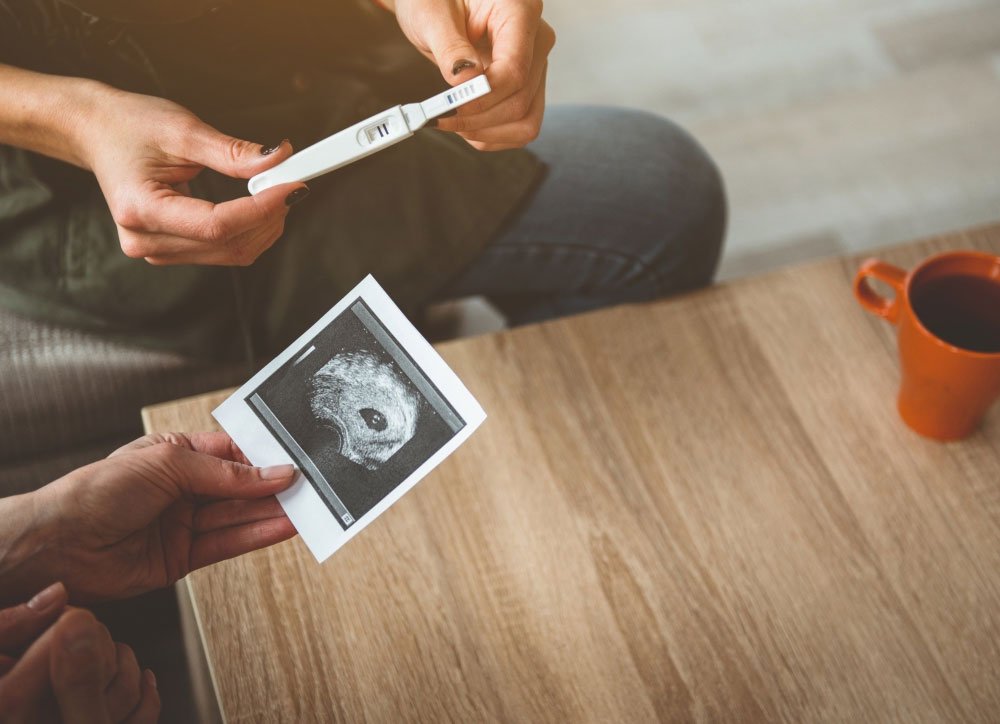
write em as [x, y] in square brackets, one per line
[309, 512]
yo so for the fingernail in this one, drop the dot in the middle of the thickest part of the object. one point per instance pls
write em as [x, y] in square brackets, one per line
[152, 677]
[276, 472]
[46, 598]
[81, 641]
[296, 196]
[461, 65]
[271, 149]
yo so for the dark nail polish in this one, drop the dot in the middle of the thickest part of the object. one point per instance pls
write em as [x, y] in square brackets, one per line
[271, 149]
[296, 196]
[461, 65]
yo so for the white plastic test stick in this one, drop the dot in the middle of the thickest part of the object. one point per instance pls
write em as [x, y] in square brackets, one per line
[366, 137]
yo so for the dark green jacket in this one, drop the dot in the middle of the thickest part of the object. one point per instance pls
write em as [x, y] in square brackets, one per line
[264, 70]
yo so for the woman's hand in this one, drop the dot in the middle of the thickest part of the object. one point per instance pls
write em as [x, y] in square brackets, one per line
[20, 625]
[59, 664]
[506, 37]
[145, 150]
[142, 518]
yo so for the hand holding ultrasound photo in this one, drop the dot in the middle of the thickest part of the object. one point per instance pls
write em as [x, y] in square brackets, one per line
[363, 405]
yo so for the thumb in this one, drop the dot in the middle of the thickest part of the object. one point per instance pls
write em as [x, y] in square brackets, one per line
[196, 473]
[448, 41]
[233, 156]
[21, 625]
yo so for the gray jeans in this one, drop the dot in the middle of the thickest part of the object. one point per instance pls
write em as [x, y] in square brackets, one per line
[631, 209]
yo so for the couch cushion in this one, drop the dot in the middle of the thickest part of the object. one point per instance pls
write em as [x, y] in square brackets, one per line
[63, 390]
[30, 473]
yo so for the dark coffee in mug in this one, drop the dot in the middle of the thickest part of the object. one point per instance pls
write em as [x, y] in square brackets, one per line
[962, 310]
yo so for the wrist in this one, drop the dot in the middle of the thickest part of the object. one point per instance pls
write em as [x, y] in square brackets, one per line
[91, 101]
[87, 101]
[49, 114]
[94, 107]
[26, 544]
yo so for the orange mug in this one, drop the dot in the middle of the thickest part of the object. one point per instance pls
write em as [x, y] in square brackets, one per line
[948, 313]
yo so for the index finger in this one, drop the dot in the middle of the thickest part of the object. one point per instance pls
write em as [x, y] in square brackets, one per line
[206, 476]
[217, 444]
[166, 211]
[20, 625]
[513, 50]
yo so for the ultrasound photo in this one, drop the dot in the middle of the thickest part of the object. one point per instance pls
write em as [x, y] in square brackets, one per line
[355, 412]
[365, 408]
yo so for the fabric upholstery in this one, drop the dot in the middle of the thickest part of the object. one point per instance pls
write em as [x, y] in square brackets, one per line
[68, 397]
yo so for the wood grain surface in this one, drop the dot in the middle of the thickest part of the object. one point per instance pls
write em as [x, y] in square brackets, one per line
[704, 509]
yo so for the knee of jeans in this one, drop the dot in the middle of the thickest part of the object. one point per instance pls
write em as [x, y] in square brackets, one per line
[677, 196]
[704, 231]
[693, 216]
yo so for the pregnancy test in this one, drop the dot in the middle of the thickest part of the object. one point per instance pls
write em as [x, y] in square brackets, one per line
[365, 138]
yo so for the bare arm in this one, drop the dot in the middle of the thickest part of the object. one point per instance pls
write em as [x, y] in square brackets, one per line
[144, 151]
[22, 544]
[43, 113]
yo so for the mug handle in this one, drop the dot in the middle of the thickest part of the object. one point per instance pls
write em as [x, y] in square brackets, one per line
[870, 300]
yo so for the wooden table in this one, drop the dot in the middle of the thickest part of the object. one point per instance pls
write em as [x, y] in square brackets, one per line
[701, 509]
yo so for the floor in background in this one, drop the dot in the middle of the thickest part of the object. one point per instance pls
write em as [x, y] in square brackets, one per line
[838, 124]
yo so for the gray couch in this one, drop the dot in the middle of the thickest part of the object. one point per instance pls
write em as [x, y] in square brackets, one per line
[68, 398]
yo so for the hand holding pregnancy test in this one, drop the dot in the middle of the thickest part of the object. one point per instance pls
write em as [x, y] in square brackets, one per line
[368, 136]
[362, 405]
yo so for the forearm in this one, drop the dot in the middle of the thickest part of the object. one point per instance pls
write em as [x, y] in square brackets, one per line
[45, 113]
[24, 545]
